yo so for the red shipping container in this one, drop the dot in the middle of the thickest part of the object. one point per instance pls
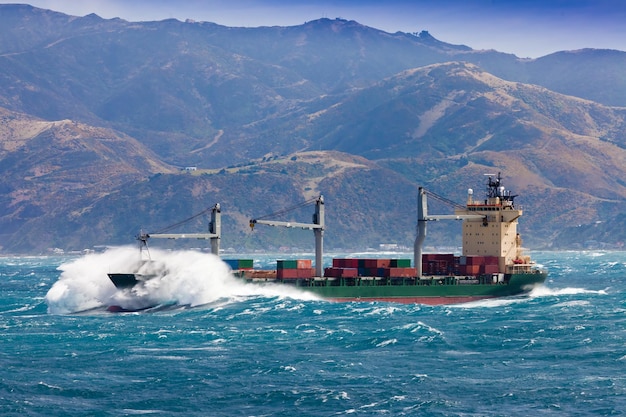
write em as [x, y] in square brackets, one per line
[376, 263]
[303, 264]
[472, 269]
[399, 272]
[305, 272]
[349, 272]
[478, 260]
[352, 263]
[403, 272]
[287, 273]
[346, 263]
[492, 269]
[448, 257]
[491, 260]
[339, 262]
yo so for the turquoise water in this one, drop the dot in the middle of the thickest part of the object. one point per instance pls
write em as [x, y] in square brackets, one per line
[216, 347]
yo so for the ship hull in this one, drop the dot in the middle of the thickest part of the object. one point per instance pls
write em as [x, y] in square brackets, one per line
[431, 291]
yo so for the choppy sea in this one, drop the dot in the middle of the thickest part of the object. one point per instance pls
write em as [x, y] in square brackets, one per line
[217, 347]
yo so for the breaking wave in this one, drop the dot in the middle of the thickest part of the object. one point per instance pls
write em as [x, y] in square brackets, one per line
[185, 278]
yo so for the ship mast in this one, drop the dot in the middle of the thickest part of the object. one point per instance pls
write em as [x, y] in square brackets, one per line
[317, 226]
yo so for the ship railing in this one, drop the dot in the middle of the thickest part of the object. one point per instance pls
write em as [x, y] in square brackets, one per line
[520, 268]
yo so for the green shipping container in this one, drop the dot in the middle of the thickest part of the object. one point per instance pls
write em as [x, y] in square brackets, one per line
[236, 264]
[287, 264]
[400, 263]
[246, 264]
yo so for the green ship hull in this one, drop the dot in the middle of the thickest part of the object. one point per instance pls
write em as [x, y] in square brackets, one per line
[427, 290]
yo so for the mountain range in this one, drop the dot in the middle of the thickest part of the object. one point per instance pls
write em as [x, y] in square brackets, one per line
[99, 119]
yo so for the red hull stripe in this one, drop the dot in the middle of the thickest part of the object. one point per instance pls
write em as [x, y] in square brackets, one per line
[414, 300]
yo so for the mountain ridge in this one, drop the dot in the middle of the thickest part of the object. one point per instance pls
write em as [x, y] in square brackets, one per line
[100, 115]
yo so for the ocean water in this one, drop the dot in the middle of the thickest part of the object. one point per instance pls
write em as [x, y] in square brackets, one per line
[217, 347]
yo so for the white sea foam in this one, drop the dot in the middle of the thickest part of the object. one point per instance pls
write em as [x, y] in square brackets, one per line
[186, 278]
[537, 292]
[543, 291]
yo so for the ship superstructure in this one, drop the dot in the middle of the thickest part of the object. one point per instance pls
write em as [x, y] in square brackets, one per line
[494, 232]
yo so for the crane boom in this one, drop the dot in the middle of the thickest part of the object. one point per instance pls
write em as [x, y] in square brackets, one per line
[317, 226]
[286, 224]
[182, 235]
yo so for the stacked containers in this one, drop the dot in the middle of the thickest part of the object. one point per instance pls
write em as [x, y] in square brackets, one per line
[343, 268]
[353, 267]
[439, 264]
[477, 265]
[239, 264]
[294, 269]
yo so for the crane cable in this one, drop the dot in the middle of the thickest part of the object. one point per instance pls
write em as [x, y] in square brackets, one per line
[288, 209]
[444, 200]
[175, 225]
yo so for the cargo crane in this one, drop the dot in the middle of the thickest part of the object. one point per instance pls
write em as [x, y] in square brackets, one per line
[214, 234]
[317, 226]
[423, 217]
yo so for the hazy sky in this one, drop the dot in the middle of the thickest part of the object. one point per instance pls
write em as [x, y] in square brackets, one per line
[526, 28]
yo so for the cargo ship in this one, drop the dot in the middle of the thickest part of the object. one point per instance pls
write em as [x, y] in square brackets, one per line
[492, 263]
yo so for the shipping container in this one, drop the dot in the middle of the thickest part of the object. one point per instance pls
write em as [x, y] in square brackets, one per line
[399, 272]
[346, 263]
[449, 257]
[349, 273]
[304, 264]
[492, 260]
[341, 272]
[305, 272]
[332, 272]
[291, 273]
[470, 269]
[374, 263]
[237, 264]
[475, 260]
[286, 264]
[400, 263]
